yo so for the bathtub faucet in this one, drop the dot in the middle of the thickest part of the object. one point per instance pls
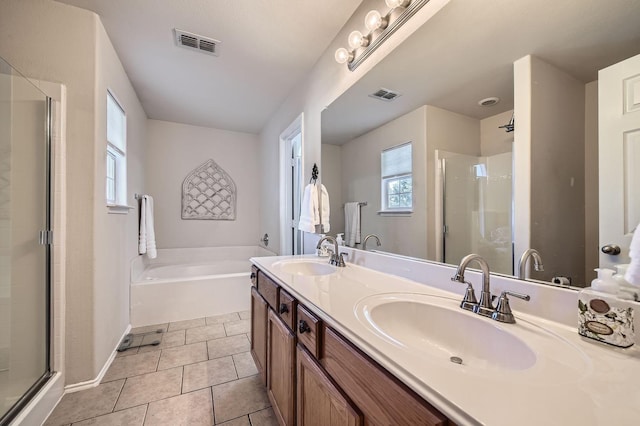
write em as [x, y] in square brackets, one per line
[336, 257]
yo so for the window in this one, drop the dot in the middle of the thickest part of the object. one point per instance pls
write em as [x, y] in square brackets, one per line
[116, 181]
[397, 182]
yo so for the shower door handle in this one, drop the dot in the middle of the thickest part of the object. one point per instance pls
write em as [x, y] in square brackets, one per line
[45, 237]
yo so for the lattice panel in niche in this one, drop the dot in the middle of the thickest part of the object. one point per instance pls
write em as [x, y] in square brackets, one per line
[209, 193]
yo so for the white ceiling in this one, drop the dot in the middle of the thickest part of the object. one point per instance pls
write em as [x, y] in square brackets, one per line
[466, 52]
[267, 47]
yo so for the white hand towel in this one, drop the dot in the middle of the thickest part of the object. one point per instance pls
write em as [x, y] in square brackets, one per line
[326, 211]
[147, 241]
[352, 223]
[309, 215]
[633, 271]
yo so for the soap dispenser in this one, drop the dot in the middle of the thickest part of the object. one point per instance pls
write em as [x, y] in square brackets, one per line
[340, 239]
[602, 315]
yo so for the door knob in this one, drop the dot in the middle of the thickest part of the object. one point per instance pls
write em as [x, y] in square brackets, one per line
[611, 249]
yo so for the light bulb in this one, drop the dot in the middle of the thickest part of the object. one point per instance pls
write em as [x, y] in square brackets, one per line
[356, 39]
[374, 20]
[343, 55]
[396, 3]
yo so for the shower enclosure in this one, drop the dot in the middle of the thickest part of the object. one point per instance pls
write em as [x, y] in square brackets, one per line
[477, 208]
[25, 239]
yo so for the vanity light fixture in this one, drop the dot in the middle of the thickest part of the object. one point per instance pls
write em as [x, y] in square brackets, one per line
[397, 3]
[380, 27]
[374, 20]
[357, 40]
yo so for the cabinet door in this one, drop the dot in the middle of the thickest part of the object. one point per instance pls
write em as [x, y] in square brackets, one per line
[320, 402]
[259, 333]
[281, 369]
[383, 399]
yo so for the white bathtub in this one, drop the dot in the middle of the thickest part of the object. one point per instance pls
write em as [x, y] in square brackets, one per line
[191, 283]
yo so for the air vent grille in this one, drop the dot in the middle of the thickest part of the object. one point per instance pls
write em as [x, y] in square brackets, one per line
[194, 41]
[385, 95]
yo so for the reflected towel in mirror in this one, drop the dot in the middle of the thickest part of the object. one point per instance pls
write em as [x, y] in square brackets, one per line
[352, 223]
[633, 271]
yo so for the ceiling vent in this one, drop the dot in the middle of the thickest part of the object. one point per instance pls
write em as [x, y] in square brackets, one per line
[194, 41]
[385, 95]
[489, 101]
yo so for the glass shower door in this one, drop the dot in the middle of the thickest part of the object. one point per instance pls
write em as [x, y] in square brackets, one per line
[24, 248]
[477, 209]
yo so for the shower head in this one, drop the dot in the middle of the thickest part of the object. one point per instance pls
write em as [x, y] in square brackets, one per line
[510, 126]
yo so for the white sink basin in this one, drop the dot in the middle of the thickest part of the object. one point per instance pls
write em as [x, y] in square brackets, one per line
[305, 267]
[426, 325]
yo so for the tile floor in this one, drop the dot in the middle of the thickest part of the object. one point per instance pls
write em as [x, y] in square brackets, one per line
[200, 374]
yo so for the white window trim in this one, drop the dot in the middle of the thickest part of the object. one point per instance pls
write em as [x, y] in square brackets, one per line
[118, 206]
[399, 211]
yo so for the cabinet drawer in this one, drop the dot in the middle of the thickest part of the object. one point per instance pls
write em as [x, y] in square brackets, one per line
[308, 330]
[254, 275]
[376, 392]
[287, 309]
[268, 289]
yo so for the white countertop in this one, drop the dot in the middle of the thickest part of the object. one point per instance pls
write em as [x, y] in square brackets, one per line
[573, 382]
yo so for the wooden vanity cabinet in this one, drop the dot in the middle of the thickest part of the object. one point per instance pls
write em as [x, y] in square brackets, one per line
[320, 401]
[281, 364]
[382, 398]
[314, 376]
[259, 332]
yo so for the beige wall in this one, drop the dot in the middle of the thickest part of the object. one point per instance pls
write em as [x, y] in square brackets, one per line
[361, 182]
[174, 150]
[325, 83]
[115, 235]
[451, 132]
[551, 115]
[493, 139]
[53, 42]
[431, 129]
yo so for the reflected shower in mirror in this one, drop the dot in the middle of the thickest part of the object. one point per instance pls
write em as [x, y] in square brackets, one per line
[503, 125]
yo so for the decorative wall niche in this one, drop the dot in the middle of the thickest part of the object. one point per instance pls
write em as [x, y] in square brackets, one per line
[209, 193]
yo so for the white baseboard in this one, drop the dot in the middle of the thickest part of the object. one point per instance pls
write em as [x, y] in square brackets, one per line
[76, 387]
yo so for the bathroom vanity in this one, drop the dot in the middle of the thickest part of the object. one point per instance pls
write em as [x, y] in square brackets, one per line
[356, 346]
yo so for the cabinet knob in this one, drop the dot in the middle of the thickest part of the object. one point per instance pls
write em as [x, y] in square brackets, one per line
[303, 327]
[253, 275]
[284, 308]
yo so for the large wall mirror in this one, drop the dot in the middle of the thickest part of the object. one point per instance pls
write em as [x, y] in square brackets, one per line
[462, 79]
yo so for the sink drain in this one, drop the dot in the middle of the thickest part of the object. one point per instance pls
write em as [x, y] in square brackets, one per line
[456, 360]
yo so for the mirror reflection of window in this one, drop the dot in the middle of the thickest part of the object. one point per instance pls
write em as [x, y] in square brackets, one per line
[397, 179]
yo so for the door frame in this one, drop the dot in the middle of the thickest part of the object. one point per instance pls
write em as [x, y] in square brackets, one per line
[285, 189]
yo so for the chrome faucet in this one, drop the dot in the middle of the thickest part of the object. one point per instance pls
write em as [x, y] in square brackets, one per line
[502, 312]
[484, 307]
[522, 263]
[364, 243]
[336, 258]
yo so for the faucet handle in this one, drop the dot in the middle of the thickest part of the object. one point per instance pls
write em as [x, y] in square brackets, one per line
[469, 300]
[503, 310]
[340, 259]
